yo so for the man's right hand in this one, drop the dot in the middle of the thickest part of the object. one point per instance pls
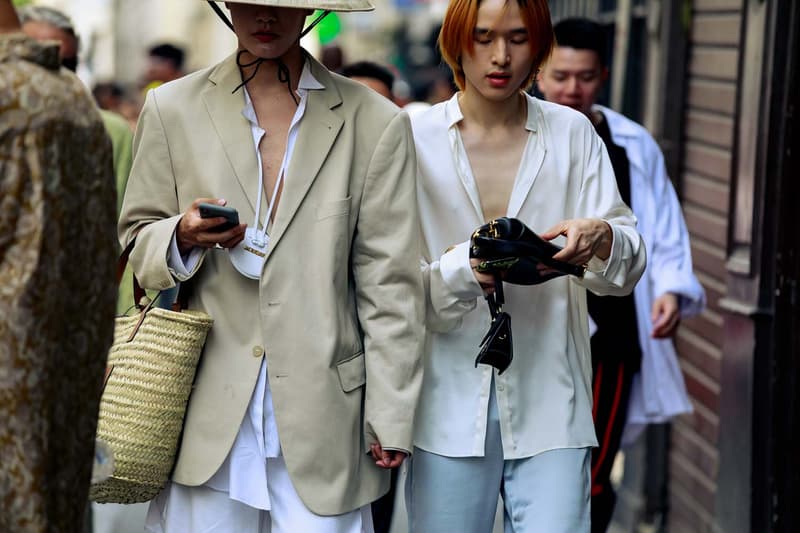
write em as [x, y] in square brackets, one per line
[486, 280]
[195, 231]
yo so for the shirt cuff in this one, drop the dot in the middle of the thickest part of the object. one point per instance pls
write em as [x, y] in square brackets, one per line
[457, 273]
[180, 265]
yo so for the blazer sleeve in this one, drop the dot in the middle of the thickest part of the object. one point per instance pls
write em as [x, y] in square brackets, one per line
[389, 289]
[599, 198]
[150, 209]
[670, 258]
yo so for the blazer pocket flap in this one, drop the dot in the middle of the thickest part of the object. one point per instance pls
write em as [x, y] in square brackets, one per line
[353, 372]
[333, 209]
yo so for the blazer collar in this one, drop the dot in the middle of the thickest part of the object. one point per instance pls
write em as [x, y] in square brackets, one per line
[232, 128]
[318, 131]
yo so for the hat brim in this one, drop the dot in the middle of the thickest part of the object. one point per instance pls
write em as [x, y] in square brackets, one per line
[325, 5]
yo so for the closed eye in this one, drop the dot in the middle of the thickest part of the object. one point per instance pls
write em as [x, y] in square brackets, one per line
[482, 36]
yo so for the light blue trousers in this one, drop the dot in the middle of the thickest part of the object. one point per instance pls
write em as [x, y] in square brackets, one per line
[546, 493]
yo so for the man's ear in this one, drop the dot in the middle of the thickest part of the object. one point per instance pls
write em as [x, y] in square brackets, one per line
[605, 74]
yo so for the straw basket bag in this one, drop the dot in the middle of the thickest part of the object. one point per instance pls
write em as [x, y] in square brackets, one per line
[151, 367]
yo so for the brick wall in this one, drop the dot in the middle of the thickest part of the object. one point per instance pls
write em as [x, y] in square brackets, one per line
[710, 108]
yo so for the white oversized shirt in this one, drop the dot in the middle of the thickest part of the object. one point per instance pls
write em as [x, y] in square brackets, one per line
[243, 475]
[658, 392]
[544, 398]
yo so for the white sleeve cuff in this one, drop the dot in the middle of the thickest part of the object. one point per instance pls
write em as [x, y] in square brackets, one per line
[457, 273]
[182, 266]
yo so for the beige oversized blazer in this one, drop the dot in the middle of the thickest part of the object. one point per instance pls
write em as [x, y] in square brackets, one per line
[338, 310]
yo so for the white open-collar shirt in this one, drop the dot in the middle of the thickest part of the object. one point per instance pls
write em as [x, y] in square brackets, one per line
[544, 398]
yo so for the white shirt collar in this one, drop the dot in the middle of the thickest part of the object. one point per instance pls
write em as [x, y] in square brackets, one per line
[306, 83]
[454, 115]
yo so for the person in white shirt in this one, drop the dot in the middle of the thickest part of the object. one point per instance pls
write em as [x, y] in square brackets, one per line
[637, 378]
[305, 394]
[488, 152]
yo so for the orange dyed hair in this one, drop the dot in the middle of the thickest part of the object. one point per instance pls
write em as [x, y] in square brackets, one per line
[456, 36]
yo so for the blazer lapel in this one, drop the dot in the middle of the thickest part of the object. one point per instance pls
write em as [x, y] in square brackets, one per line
[232, 127]
[532, 159]
[319, 128]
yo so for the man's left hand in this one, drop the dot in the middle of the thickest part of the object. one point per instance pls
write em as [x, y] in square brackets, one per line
[586, 237]
[666, 316]
[387, 458]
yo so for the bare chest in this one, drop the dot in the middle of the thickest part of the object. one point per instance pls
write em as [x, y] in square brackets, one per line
[495, 164]
[275, 120]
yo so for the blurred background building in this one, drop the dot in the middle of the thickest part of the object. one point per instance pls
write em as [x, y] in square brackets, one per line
[716, 82]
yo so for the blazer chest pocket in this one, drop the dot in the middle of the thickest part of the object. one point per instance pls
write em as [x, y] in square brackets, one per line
[333, 209]
[352, 372]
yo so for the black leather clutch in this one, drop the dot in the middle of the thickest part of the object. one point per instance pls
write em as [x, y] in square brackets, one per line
[510, 251]
[507, 246]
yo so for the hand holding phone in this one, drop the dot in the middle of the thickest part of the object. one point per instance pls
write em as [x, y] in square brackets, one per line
[208, 223]
[230, 215]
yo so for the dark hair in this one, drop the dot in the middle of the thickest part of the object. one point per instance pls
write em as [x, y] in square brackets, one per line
[582, 34]
[368, 69]
[111, 88]
[169, 52]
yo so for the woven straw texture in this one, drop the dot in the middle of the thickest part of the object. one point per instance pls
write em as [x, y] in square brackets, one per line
[144, 401]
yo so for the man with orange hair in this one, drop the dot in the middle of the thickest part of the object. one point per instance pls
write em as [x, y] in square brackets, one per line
[525, 433]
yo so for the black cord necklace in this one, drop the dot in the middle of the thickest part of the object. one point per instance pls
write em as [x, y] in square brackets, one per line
[284, 75]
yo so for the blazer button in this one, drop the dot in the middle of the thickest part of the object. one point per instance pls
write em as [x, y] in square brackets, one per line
[258, 351]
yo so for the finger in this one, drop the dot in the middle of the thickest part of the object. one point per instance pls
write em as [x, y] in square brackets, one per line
[568, 253]
[396, 459]
[232, 243]
[555, 231]
[207, 239]
[544, 270]
[386, 459]
[198, 201]
[484, 279]
[659, 320]
[206, 224]
[669, 329]
[665, 325]
[655, 312]
[236, 233]
[377, 452]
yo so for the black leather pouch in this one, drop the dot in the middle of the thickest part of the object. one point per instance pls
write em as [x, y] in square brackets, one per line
[497, 348]
[507, 245]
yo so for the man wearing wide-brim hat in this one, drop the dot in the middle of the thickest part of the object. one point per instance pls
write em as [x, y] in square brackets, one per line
[306, 390]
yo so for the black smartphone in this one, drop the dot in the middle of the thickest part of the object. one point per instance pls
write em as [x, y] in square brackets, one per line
[230, 215]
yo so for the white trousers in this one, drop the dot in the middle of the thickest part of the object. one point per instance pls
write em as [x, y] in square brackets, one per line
[182, 509]
[546, 493]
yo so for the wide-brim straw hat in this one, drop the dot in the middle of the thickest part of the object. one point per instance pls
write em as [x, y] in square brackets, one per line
[325, 5]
